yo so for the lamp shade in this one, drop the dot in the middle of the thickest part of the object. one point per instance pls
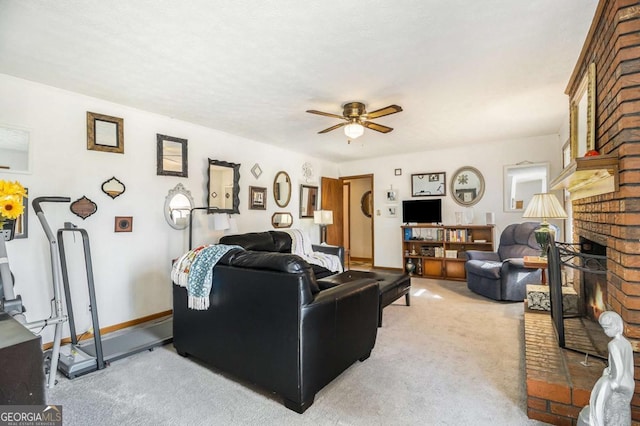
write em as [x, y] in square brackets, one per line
[545, 206]
[353, 130]
[323, 217]
[220, 221]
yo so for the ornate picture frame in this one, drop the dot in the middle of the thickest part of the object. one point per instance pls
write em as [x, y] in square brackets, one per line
[257, 198]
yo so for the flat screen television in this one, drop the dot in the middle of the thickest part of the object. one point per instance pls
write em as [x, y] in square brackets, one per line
[422, 211]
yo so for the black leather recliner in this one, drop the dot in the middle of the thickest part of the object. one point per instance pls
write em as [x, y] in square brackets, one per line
[268, 323]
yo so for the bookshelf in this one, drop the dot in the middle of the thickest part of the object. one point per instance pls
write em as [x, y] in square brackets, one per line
[438, 251]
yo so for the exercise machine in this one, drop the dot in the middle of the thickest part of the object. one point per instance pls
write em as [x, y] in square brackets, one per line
[79, 357]
[82, 357]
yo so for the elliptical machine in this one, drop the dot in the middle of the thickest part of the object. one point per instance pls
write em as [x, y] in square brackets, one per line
[12, 304]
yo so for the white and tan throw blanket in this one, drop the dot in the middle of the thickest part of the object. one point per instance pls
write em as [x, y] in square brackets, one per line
[301, 246]
[194, 270]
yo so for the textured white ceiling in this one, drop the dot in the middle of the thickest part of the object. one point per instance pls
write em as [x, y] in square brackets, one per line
[465, 72]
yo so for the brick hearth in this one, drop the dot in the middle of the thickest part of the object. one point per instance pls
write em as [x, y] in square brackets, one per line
[558, 386]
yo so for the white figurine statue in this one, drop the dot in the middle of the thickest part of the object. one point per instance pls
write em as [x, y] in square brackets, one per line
[610, 401]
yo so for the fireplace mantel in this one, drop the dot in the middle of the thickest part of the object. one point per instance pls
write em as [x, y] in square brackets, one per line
[589, 176]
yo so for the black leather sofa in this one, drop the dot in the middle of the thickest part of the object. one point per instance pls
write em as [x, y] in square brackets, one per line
[269, 324]
[280, 242]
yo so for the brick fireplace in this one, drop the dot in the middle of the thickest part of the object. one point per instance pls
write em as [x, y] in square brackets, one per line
[611, 219]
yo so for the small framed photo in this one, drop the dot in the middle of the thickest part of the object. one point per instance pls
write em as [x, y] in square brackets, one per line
[398, 172]
[124, 224]
[105, 133]
[257, 198]
[391, 211]
[392, 195]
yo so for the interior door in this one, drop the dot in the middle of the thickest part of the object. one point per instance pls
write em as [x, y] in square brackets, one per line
[332, 200]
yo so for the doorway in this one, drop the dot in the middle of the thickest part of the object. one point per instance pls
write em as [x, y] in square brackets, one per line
[357, 195]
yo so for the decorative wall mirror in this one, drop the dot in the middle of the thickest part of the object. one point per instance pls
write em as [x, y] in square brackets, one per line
[282, 220]
[223, 187]
[366, 203]
[171, 156]
[282, 189]
[582, 113]
[105, 133]
[308, 200]
[177, 207]
[15, 149]
[428, 184]
[467, 186]
[521, 181]
[113, 187]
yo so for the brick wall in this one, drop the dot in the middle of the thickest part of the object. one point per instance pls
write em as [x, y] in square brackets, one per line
[613, 219]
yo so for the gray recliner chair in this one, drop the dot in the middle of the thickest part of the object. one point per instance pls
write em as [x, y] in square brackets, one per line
[502, 275]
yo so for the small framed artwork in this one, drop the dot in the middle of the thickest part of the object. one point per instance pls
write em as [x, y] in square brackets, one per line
[392, 195]
[397, 172]
[124, 224]
[428, 184]
[257, 198]
[171, 156]
[391, 211]
[105, 133]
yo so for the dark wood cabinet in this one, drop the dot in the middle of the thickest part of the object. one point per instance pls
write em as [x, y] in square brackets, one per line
[22, 379]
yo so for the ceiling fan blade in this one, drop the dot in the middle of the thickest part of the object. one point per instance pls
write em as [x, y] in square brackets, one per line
[337, 126]
[391, 109]
[326, 114]
[377, 127]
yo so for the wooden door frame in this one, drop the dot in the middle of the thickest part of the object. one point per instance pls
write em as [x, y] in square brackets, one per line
[373, 213]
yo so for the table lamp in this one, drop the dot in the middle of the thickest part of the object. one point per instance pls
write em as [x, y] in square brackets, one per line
[323, 218]
[544, 206]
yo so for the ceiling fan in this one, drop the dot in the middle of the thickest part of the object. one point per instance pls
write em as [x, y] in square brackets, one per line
[356, 118]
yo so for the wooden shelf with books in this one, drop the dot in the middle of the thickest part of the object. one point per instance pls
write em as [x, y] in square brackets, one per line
[438, 251]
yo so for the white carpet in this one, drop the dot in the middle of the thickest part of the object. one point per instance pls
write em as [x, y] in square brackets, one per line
[451, 358]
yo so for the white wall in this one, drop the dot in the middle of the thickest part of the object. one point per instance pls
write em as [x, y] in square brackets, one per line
[131, 269]
[489, 158]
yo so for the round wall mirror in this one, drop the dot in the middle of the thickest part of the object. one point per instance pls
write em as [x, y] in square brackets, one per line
[282, 189]
[366, 204]
[467, 186]
[177, 207]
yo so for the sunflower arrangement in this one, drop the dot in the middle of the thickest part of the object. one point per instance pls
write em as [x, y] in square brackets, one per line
[11, 197]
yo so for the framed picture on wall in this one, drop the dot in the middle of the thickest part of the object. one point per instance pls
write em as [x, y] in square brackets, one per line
[428, 184]
[257, 198]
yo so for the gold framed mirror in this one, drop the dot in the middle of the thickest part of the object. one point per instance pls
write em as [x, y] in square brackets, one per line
[582, 115]
[282, 189]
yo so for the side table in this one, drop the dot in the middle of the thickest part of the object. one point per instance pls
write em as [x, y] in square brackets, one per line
[537, 262]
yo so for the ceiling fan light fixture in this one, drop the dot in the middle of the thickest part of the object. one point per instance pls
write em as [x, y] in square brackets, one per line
[353, 130]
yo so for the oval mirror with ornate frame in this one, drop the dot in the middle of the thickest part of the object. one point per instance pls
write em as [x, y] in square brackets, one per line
[177, 207]
[223, 187]
[282, 220]
[467, 186]
[282, 189]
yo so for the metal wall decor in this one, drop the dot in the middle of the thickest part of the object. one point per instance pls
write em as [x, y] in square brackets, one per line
[113, 187]
[83, 207]
[256, 171]
[105, 133]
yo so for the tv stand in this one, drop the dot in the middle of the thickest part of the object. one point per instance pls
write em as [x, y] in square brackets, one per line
[441, 252]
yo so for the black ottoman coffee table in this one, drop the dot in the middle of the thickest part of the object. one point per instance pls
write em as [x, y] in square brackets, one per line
[392, 285]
